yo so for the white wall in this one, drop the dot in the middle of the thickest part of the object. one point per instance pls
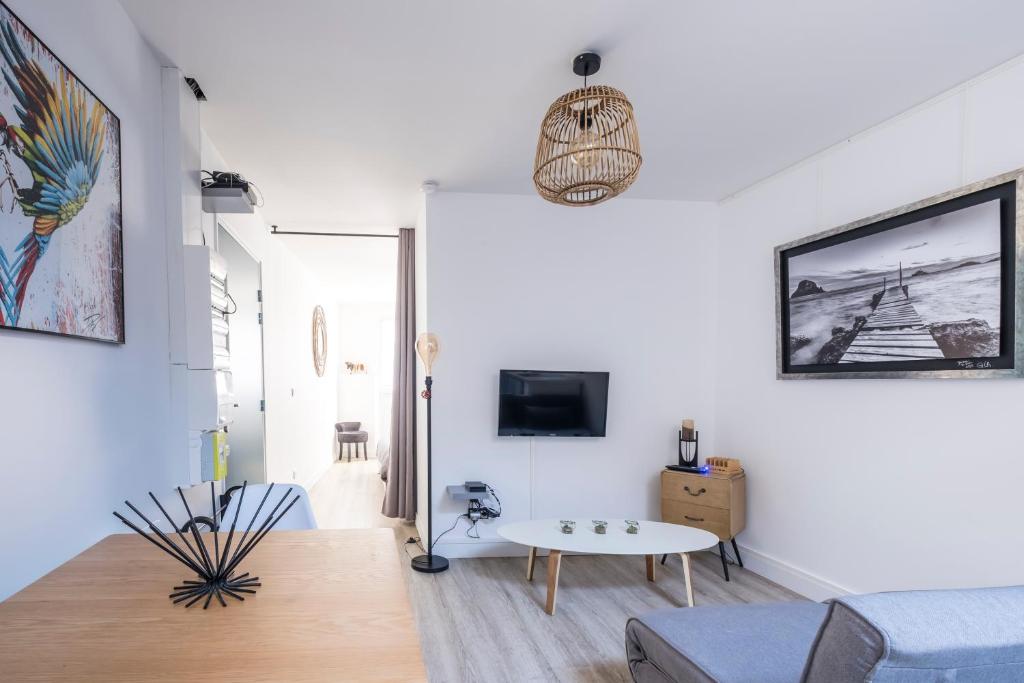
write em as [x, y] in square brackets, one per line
[85, 423]
[301, 407]
[867, 485]
[516, 282]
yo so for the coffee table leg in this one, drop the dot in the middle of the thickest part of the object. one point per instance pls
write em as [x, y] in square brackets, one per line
[686, 576]
[650, 567]
[530, 562]
[554, 565]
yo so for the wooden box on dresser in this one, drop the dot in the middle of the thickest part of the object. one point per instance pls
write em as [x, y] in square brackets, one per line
[714, 503]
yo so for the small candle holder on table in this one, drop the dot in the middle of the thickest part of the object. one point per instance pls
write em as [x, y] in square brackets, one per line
[689, 450]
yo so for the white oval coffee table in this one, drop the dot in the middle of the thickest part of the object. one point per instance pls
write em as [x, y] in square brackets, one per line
[654, 538]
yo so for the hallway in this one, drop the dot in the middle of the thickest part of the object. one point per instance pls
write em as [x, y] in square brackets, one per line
[349, 496]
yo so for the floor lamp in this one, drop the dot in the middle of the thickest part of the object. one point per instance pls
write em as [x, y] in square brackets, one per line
[427, 346]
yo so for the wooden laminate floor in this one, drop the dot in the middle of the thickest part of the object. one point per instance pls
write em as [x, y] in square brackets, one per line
[482, 621]
[349, 496]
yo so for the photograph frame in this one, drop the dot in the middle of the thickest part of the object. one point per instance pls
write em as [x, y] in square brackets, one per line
[121, 337]
[1011, 288]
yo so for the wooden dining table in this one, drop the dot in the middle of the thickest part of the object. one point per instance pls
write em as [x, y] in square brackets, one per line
[333, 606]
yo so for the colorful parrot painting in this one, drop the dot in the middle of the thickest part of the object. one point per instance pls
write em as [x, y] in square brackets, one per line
[60, 140]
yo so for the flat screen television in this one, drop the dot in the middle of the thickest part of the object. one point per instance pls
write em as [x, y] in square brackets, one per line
[545, 403]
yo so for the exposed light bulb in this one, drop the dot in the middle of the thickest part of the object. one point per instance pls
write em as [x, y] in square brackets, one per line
[583, 150]
[428, 346]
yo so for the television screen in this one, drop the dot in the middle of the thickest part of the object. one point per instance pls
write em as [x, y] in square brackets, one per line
[544, 403]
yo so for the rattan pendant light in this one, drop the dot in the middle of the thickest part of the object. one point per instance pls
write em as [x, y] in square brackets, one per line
[589, 148]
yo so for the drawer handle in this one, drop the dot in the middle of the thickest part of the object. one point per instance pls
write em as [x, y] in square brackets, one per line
[687, 489]
[694, 519]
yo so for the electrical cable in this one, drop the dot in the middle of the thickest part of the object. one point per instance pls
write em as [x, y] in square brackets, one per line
[485, 511]
[413, 541]
[259, 201]
[229, 179]
[438, 538]
[494, 494]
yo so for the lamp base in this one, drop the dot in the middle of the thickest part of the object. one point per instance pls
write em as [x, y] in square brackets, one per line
[430, 564]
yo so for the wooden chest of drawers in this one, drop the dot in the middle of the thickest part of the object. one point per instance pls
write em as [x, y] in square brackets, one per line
[706, 502]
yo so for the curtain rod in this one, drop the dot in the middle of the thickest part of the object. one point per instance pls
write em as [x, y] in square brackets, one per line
[275, 231]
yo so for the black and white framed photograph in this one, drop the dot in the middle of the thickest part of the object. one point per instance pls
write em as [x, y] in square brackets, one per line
[926, 290]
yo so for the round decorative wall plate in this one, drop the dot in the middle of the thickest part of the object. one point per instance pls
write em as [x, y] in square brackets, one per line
[319, 341]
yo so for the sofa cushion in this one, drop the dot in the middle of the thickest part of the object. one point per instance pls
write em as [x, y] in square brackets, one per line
[728, 644]
[917, 636]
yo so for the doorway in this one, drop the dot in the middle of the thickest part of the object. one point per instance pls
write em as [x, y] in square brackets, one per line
[356, 276]
[246, 435]
[351, 493]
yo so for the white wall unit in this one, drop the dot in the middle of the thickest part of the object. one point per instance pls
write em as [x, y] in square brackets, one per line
[209, 397]
[516, 282]
[206, 326]
[188, 271]
[869, 485]
[176, 110]
[209, 400]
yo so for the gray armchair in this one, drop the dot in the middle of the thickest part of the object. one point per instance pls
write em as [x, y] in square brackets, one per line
[348, 435]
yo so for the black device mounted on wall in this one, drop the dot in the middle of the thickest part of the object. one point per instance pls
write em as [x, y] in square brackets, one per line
[546, 403]
[477, 510]
[476, 495]
[221, 179]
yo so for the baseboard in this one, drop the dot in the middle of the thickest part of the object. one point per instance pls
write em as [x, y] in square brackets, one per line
[309, 482]
[788, 576]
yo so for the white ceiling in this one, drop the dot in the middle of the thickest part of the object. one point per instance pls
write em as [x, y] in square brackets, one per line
[338, 109]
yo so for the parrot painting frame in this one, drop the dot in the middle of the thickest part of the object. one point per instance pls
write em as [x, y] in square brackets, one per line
[61, 233]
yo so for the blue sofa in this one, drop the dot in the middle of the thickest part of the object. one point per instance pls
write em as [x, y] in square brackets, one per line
[947, 636]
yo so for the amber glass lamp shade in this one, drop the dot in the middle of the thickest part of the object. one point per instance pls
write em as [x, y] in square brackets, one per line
[428, 346]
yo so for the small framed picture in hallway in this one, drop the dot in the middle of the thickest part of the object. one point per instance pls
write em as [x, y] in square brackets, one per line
[928, 290]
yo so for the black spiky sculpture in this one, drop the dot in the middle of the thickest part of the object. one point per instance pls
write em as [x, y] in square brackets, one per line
[216, 572]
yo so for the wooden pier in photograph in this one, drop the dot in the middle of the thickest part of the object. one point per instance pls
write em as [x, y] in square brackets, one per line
[894, 331]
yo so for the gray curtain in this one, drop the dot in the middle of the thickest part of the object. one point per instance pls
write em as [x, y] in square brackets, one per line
[400, 495]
